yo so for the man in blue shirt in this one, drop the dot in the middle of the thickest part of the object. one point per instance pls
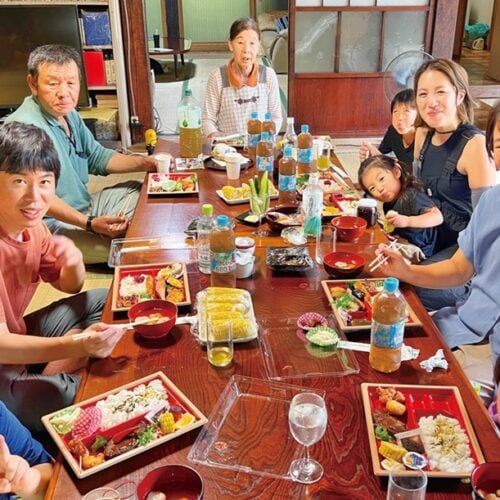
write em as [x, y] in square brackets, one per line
[25, 467]
[89, 220]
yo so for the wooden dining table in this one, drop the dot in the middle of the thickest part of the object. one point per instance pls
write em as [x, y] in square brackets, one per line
[344, 449]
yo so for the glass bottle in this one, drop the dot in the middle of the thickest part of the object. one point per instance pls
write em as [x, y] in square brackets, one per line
[387, 331]
[290, 136]
[189, 121]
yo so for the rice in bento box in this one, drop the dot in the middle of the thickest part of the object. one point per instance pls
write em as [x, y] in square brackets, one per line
[446, 444]
[127, 404]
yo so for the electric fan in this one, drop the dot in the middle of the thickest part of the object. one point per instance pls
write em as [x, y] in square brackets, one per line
[399, 73]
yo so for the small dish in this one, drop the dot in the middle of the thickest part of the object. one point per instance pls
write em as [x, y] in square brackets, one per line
[294, 235]
[310, 320]
[288, 259]
[173, 481]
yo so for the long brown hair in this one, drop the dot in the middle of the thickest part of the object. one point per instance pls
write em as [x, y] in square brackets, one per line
[458, 78]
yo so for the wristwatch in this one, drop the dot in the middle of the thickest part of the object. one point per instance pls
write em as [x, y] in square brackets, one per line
[88, 225]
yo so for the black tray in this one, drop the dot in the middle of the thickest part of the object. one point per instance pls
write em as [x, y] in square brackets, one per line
[284, 259]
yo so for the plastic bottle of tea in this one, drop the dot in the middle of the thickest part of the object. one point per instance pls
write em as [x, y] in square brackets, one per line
[388, 325]
[270, 127]
[305, 164]
[287, 180]
[265, 155]
[254, 128]
[189, 120]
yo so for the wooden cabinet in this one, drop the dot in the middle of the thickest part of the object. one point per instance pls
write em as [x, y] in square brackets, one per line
[339, 49]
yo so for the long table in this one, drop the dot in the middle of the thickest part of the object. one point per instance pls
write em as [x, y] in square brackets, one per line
[343, 451]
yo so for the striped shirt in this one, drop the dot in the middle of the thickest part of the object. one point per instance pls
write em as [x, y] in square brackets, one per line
[227, 109]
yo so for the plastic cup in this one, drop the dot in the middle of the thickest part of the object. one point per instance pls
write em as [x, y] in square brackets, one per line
[163, 162]
[233, 165]
[404, 487]
[220, 343]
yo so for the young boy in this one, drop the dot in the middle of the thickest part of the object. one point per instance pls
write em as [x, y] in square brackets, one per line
[400, 136]
[25, 467]
[29, 169]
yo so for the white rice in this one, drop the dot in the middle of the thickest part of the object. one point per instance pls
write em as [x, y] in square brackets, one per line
[127, 404]
[130, 287]
[446, 444]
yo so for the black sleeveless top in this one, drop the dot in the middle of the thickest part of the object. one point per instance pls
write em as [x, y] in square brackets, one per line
[448, 188]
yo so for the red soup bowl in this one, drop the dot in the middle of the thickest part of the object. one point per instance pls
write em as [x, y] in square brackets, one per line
[163, 315]
[343, 264]
[485, 479]
[349, 228]
[174, 481]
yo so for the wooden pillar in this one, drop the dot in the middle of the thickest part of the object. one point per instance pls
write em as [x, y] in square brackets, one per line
[494, 65]
[135, 48]
[445, 21]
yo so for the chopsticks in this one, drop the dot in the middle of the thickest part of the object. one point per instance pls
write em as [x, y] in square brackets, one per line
[86, 335]
[125, 205]
[381, 259]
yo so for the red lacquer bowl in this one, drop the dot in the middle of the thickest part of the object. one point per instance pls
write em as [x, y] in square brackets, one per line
[162, 307]
[349, 228]
[343, 264]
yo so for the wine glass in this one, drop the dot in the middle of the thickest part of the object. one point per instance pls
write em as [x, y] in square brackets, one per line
[259, 205]
[307, 418]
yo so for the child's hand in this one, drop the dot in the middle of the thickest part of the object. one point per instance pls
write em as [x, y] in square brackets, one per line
[15, 472]
[66, 252]
[397, 220]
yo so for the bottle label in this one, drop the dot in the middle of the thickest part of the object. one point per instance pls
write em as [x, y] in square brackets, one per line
[388, 336]
[287, 183]
[204, 254]
[265, 163]
[305, 155]
[189, 117]
[222, 262]
[253, 139]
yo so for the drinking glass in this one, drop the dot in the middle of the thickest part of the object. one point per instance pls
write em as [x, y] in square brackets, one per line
[103, 493]
[220, 343]
[307, 418]
[326, 242]
[323, 162]
[405, 487]
[259, 206]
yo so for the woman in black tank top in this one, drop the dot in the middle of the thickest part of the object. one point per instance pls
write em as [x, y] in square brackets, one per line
[450, 158]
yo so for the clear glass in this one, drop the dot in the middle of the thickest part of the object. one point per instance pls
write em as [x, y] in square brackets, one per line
[403, 31]
[307, 419]
[220, 343]
[246, 427]
[259, 206]
[315, 42]
[360, 41]
[404, 487]
[326, 242]
[102, 494]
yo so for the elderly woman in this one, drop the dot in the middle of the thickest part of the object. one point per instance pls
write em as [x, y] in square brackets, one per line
[240, 87]
[450, 158]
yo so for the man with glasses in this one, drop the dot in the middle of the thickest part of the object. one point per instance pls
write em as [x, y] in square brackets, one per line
[91, 221]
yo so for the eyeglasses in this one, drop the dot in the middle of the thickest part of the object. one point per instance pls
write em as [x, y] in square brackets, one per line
[72, 143]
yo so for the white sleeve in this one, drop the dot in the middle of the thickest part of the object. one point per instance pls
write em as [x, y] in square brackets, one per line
[211, 106]
[274, 102]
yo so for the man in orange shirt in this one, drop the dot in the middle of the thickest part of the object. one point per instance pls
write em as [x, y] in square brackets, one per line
[38, 350]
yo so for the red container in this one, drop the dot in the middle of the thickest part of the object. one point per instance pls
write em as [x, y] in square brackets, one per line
[349, 228]
[155, 306]
[485, 478]
[343, 264]
[175, 481]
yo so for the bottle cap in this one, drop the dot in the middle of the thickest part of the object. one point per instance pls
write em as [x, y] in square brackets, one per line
[223, 220]
[391, 284]
[207, 209]
[304, 129]
[367, 202]
[290, 119]
[313, 179]
[267, 116]
[264, 136]
[287, 151]
[254, 115]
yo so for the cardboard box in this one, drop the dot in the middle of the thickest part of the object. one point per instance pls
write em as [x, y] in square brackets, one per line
[106, 125]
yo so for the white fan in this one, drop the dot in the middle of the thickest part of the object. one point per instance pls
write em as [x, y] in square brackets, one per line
[400, 71]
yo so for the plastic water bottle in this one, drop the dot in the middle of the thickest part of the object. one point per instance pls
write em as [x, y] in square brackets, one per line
[290, 136]
[312, 206]
[388, 325]
[222, 250]
[189, 121]
[204, 227]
